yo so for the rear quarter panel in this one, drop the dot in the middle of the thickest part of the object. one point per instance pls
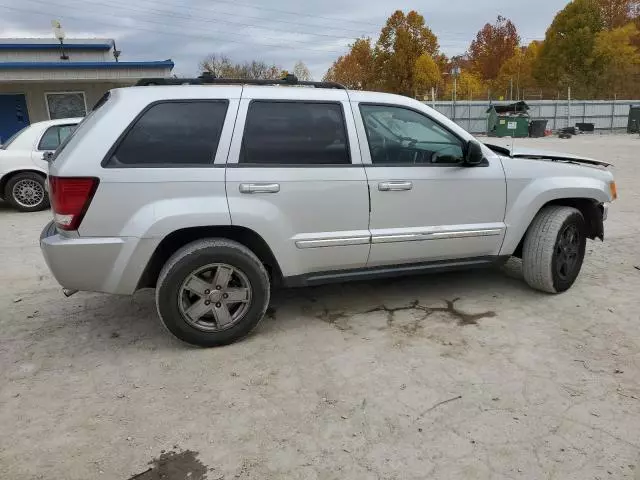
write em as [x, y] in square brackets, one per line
[147, 202]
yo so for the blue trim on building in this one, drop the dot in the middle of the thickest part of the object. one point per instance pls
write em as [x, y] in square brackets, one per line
[54, 46]
[84, 65]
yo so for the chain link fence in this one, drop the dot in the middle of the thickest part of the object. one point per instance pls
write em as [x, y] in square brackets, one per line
[604, 114]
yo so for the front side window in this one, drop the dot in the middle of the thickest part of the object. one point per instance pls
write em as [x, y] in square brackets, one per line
[54, 136]
[173, 134]
[295, 133]
[66, 105]
[400, 136]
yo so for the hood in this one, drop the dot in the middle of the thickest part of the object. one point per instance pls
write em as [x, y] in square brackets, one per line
[535, 153]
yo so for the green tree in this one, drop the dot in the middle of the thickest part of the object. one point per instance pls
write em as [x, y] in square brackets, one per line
[618, 13]
[566, 58]
[355, 69]
[519, 70]
[426, 74]
[618, 62]
[402, 41]
[492, 47]
[468, 86]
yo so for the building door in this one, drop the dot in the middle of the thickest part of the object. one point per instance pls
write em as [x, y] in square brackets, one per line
[13, 115]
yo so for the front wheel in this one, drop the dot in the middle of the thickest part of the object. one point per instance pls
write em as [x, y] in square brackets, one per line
[554, 248]
[212, 292]
[25, 192]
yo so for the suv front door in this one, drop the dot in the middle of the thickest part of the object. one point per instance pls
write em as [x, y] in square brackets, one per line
[294, 176]
[426, 206]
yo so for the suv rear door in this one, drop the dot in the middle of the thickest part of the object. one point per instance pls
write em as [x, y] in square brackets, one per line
[295, 177]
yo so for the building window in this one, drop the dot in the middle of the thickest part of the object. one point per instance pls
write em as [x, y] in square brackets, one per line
[66, 105]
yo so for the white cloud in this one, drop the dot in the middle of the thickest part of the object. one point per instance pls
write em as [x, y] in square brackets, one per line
[189, 30]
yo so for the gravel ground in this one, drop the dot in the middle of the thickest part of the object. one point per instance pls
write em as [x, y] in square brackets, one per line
[378, 380]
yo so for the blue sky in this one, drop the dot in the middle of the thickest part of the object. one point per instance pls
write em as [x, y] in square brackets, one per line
[278, 31]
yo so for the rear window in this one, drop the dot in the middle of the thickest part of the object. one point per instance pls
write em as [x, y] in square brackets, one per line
[54, 136]
[295, 133]
[170, 134]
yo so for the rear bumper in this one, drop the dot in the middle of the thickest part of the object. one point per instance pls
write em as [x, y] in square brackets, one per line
[96, 264]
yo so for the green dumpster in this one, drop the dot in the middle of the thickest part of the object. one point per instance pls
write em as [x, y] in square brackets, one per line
[508, 120]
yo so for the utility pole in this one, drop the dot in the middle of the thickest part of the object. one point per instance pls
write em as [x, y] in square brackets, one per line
[569, 107]
[455, 72]
[511, 96]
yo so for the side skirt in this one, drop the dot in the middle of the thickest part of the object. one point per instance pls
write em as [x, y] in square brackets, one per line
[387, 271]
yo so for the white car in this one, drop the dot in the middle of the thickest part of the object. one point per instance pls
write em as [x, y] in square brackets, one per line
[23, 169]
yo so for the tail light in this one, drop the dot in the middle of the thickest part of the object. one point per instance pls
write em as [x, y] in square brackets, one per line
[70, 199]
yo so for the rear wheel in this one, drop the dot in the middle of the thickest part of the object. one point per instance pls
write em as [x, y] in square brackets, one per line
[212, 292]
[25, 192]
[554, 248]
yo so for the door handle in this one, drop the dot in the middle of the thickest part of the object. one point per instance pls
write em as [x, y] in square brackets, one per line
[259, 187]
[394, 186]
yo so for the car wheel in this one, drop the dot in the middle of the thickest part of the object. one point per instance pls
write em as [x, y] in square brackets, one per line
[25, 192]
[212, 292]
[553, 249]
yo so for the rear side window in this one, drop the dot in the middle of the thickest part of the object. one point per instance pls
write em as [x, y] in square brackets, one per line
[54, 136]
[173, 134]
[295, 133]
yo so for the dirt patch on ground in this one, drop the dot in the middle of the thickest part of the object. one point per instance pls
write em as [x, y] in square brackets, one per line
[174, 465]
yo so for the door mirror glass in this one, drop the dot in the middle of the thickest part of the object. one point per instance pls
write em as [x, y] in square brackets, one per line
[474, 155]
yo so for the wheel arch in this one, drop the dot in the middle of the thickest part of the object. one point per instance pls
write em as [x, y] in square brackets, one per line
[181, 237]
[591, 210]
[8, 176]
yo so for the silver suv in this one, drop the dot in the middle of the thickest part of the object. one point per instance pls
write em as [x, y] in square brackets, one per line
[215, 193]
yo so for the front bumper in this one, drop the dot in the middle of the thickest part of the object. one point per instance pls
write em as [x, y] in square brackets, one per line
[96, 264]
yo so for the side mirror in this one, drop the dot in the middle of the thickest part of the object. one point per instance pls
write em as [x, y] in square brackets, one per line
[473, 155]
[47, 156]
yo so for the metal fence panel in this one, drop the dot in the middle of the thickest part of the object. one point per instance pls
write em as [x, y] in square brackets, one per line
[604, 114]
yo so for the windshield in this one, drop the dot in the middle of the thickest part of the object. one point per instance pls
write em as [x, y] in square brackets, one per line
[11, 139]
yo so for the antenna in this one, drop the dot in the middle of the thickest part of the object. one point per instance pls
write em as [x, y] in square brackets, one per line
[116, 52]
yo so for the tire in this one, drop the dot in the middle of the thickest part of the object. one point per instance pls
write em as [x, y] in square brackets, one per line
[221, 321]
[26, 192]
[554, 248]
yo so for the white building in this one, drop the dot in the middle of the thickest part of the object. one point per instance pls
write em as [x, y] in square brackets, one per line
[42, 80]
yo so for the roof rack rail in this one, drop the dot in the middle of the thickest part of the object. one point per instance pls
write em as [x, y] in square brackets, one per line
[208, 79]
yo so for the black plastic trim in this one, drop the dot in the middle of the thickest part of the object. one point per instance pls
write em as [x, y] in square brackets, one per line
[338, 276]
[209, 80]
